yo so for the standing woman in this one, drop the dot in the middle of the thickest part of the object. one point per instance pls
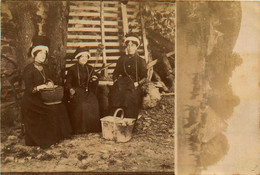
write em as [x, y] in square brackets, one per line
[44, 124]
[130, 73]
[81, 83]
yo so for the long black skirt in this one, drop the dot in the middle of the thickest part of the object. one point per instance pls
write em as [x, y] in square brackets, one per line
[84, 112]
[44, 124]
[129, 100]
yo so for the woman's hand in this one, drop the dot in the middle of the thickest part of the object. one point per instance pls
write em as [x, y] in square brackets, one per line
[94, 78]
[50, 84]
[72, 91]
[136, 84]
[43, 86]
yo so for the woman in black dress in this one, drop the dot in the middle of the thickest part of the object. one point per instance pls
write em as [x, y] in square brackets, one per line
[44, 124]
[130, 73]
[83, 105]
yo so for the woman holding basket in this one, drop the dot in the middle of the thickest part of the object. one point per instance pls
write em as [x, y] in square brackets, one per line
[81, 83]
[44, 124]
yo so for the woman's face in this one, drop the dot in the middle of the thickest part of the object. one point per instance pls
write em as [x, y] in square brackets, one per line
[40, 56]
[83, 58]
[131, 48]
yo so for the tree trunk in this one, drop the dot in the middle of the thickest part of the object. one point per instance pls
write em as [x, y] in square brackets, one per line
[42, 18]
[56, 30]
[23, 16]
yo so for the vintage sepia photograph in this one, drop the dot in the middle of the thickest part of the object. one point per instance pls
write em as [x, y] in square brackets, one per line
[217, 88]
[130, 87]
[88, 86]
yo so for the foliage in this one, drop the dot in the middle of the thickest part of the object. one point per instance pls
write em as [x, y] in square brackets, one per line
[159, 17]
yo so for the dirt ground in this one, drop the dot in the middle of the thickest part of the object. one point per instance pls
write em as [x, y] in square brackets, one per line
[150, 149]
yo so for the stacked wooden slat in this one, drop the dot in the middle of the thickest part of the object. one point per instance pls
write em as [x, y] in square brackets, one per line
[84, 29]
[134, 22]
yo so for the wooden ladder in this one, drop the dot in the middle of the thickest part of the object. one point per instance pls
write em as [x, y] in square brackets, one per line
[102, 22]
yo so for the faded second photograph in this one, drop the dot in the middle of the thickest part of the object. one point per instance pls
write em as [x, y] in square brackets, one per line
[88, 87]
[217, 88]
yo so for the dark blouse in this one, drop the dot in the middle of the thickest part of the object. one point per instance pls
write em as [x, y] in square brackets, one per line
[126, 66]
[33, 77]
[78, 76]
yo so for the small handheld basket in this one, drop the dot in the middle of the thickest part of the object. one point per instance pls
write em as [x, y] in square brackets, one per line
[51, 96]
[117, 128]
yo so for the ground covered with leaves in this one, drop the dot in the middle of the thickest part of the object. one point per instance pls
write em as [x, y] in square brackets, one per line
[150, 149]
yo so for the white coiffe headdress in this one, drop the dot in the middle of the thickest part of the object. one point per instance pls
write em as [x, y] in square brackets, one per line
[40, 47]
[132, 38]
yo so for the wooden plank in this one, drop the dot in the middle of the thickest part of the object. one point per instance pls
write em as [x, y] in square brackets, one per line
[111, 8]
[70, 36]
[69, 65]
[84, 2]
[111, 37]
[91, 22]
[92, 51]
[145, 41]
[82, 44]
[85, 8]
[111, 2]
[84, 22]
[83, 37]
[93, 58]
[134, 22]
[124, 17]
[109, 14]
[105, 83]
[82, 29]
[132, 3]
[114, 58]
[111, 58]
[92, 14]
[88, 44]
[70, 50]
[113, 50]
[103, 35]
[109, 71]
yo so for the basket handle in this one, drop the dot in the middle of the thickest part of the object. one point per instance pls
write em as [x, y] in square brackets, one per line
[122, 114]
[115, 114]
